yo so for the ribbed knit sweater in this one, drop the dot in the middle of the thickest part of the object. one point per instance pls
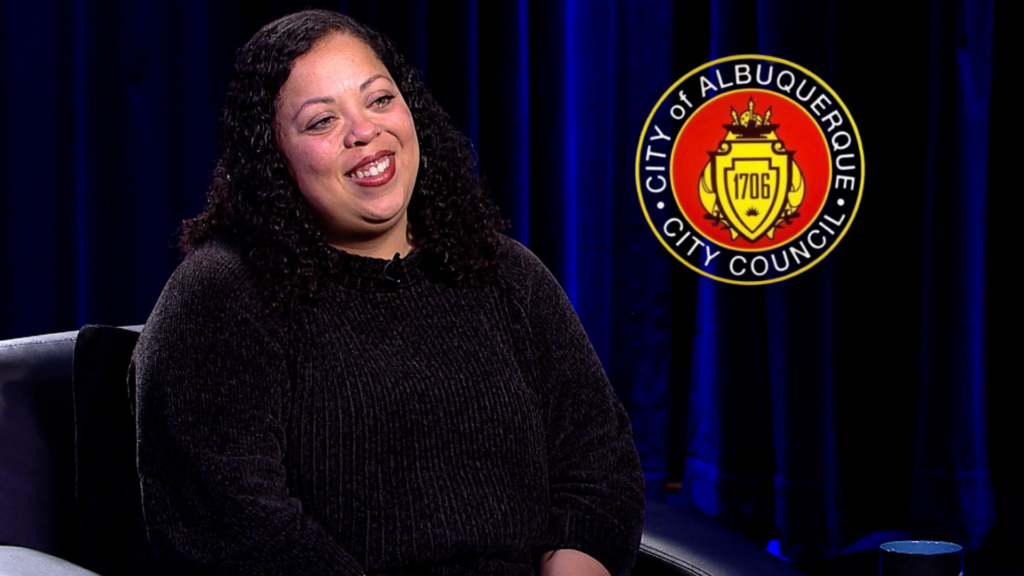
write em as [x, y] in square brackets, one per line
[393, 427]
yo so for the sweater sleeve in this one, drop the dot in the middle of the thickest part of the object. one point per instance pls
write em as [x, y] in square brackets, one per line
[595, 479]
[213, 398]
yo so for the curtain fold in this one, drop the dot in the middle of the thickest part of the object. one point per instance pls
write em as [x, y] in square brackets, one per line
[728, 469]
[952, 490]
[799, 326]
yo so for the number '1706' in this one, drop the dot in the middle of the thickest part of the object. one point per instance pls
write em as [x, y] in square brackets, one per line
[757, 185]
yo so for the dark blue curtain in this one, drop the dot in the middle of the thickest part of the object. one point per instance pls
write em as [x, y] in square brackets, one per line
[952, 489]
[874, 392]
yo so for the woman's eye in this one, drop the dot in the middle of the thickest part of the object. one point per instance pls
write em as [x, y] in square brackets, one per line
[383, 101]
[321, 123]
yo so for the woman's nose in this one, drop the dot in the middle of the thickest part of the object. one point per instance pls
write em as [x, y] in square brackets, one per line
[361, 132]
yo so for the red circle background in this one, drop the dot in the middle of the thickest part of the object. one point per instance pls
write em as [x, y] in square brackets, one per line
[702, 133]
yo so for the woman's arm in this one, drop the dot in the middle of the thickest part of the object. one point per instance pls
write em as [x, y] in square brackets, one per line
[594, 475]
[213, 401]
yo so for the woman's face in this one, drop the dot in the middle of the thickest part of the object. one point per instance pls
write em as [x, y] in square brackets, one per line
[348, 138]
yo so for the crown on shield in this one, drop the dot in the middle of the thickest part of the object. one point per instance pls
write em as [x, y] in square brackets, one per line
[750, 124]
[751, 185]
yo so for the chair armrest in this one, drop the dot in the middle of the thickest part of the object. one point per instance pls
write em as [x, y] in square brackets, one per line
[682, 542]
[37, 451]
[18, 561]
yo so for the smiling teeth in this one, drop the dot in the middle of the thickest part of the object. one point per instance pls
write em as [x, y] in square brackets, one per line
[376, 168]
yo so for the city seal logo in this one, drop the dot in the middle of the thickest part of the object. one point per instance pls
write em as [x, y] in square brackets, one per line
[750, 169]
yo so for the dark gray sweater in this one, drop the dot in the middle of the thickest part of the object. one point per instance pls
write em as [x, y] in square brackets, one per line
[392, 428]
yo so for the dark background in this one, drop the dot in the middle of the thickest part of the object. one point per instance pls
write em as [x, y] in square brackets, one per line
[876, 392]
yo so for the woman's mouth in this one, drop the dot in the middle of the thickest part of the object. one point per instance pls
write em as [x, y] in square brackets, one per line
[375, 173]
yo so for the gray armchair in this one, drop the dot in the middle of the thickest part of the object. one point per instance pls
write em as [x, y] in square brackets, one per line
[69, 501]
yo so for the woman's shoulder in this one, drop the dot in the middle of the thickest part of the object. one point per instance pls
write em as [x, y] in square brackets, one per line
[218, 259]
[213, 291]
[521, 269]
[214, 267]
[516, 260]
[213, 274]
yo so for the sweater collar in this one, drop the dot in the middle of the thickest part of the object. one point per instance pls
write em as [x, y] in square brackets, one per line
[377, 274]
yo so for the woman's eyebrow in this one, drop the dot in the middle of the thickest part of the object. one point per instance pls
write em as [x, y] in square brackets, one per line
[370, 80]
[317, 100]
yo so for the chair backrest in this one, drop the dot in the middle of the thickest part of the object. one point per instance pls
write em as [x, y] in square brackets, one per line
[108, 496]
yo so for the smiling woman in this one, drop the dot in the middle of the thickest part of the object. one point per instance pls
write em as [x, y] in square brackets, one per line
[349, 141]
[256, 199]
[353, 371]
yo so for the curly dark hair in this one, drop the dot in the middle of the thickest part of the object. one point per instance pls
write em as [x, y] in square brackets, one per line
[254, 201]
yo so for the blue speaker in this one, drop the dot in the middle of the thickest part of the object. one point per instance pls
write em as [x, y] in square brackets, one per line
[920, 558]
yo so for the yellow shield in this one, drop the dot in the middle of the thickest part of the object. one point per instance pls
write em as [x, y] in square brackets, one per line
[750, 179]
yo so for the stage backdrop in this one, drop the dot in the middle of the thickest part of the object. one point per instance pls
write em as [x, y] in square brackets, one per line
[874, 392]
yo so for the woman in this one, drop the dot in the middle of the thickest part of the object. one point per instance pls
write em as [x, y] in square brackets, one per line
[352, 371]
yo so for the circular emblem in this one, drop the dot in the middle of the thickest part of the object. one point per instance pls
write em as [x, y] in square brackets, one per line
[750, 169]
